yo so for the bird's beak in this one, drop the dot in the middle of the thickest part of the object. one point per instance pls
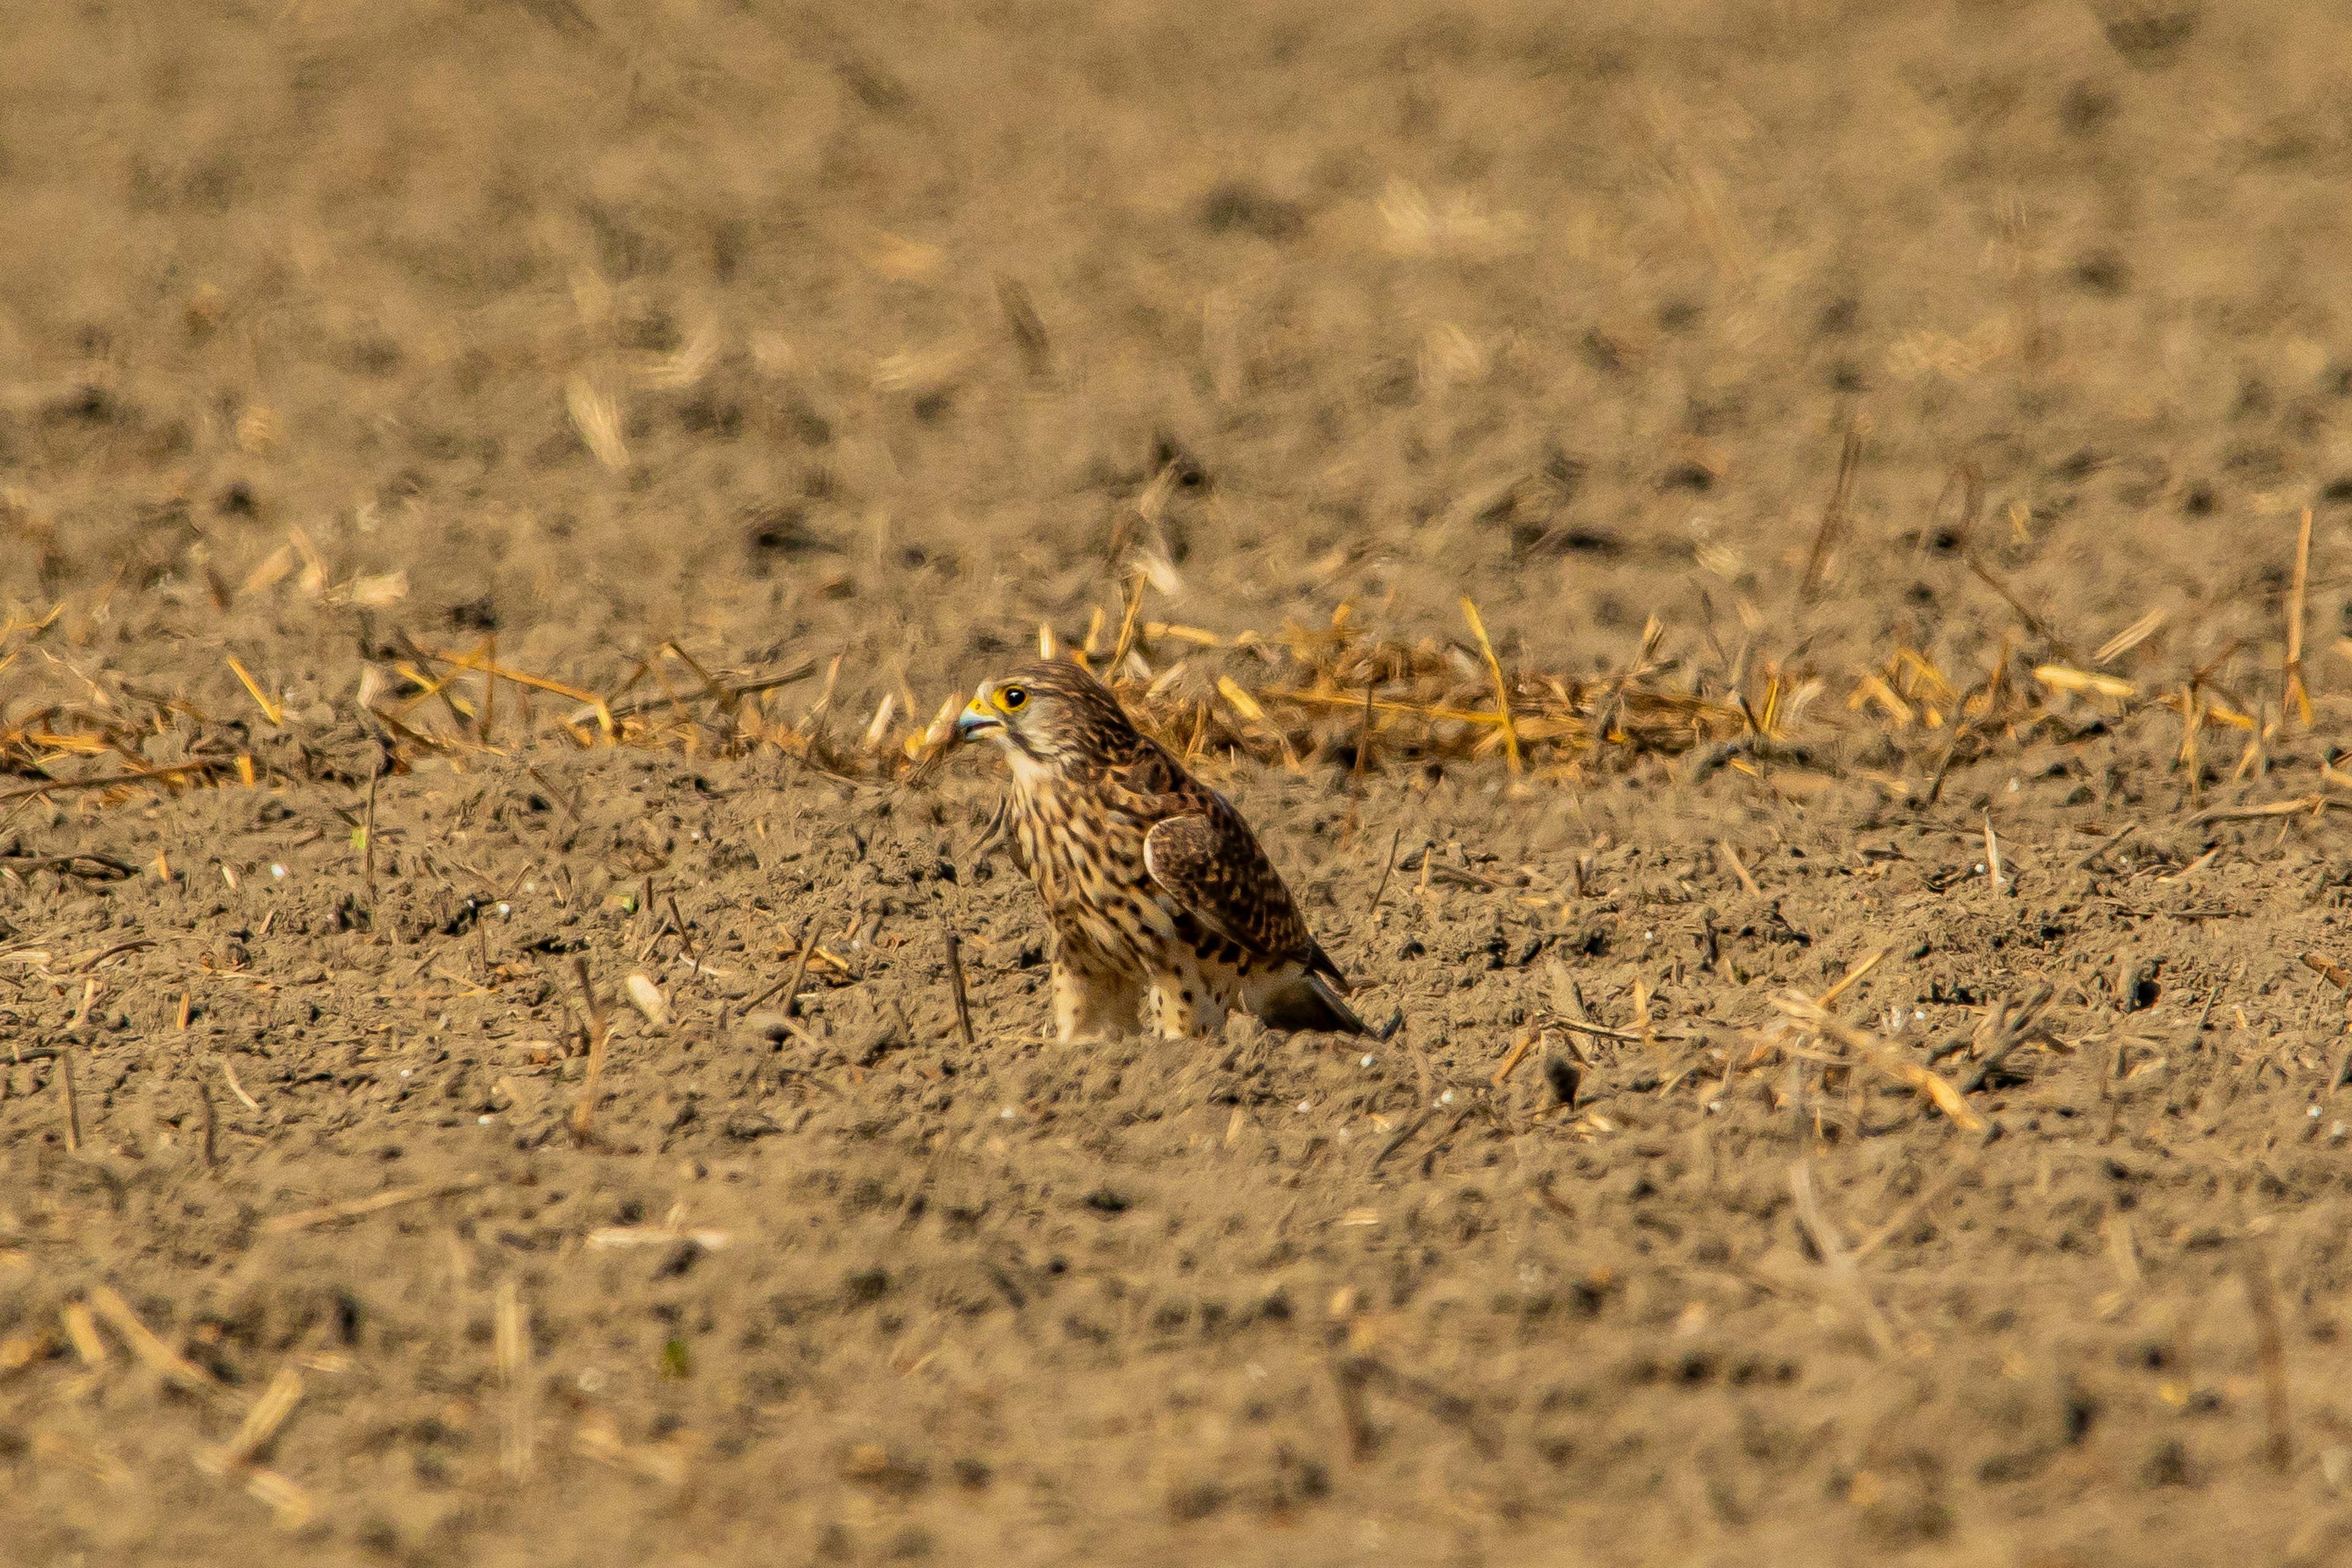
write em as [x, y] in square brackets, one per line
[979, 719]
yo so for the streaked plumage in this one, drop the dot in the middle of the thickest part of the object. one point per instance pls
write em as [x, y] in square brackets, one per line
[1156, 889]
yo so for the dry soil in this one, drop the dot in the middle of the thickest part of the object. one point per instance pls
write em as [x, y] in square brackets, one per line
[332, 334]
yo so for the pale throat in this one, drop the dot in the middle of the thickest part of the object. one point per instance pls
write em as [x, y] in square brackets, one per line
[1032, 777]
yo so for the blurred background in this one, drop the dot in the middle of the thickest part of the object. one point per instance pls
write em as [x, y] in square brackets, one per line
[900, 329]
[1895, 350]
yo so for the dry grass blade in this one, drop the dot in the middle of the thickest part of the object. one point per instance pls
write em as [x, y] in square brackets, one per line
[2292, 694]
[1387, 869]
[600, 1439]
[22, 1347]
[375, 1203]
[1127, 623]
[1502, 687]
[1314, 692]
[791, 985]
[82, 1332]
[1876, 1054]
[1244, 703]
[489, 690]
[726, 694]
[159, 1357]
[1835, 1259]
[2008, 1025]
[1852, 978]
[2033, 623]
[583, 1113]
[367, 835]
[1284, 698]
[647, 999]
[606, 1238]
[1306, 693]
[98, 867]
[1519, 1049]
[954, 948]
[1578, 1027]
[1833, 515]
[2110, 842]
[799, 973]
[261, 1424]
[72, 1101]
[1027, 327]
[1403, 1135]
[2066, 677]
[2311, 804]
[682, 368]
[2130, 637]
[270, 709]
[597, 416]
[175, 773]
[228, 1073]
[291, 1507]
[511, 1333]
[486, 664]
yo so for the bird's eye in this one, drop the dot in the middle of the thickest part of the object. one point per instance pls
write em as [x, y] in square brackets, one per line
[1012, 699]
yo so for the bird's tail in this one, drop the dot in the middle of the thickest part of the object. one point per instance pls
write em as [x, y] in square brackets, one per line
[1308, 1002]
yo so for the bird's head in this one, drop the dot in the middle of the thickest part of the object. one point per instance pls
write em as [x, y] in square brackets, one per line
[1048, 713]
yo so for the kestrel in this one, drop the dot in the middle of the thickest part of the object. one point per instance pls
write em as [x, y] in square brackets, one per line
[1153, 883]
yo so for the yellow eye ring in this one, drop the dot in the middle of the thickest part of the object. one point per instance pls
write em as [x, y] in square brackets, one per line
[1011, 697]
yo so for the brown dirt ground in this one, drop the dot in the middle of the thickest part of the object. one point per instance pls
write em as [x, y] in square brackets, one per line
[897, 312]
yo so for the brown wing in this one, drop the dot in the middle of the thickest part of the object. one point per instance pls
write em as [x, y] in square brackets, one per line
[1209, 861]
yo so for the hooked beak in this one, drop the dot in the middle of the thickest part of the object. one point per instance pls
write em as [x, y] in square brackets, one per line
[978, 719]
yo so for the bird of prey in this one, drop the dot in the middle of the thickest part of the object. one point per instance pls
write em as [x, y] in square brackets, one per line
[1155, 887]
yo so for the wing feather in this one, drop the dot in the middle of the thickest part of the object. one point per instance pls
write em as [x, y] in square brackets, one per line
[1211, 864]
[1204, 857]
